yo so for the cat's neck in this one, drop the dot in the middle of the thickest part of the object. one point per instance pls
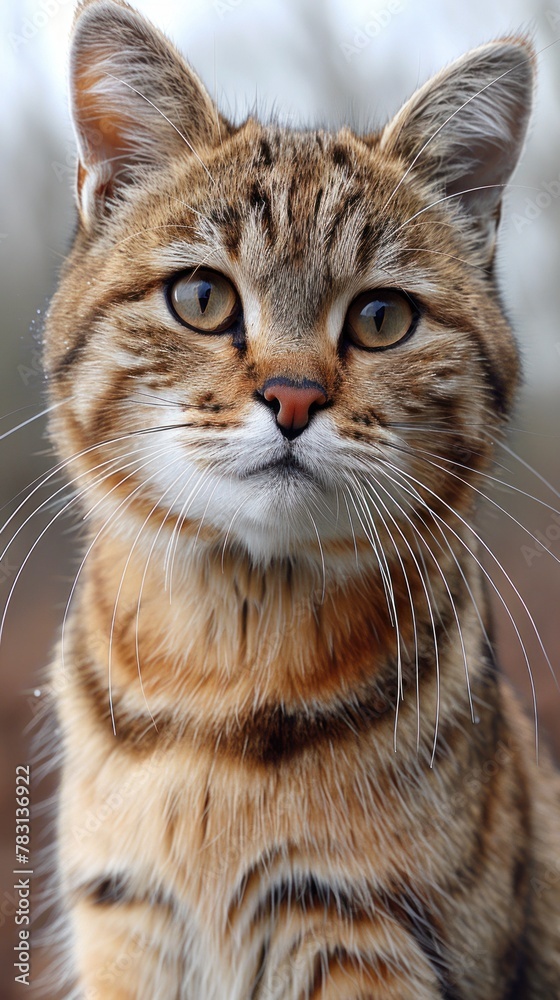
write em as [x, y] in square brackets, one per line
[293, 632]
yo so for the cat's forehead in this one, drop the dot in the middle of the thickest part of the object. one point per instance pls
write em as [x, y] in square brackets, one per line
[294, 165]
[294, 149]
[279, 206]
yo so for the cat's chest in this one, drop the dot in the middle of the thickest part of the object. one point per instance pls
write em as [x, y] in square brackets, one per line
[224, 860]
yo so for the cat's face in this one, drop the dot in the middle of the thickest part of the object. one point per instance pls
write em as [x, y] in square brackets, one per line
[304, 313]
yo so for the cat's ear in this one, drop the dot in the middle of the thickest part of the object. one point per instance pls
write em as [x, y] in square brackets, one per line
[465, 130]
[135, 103]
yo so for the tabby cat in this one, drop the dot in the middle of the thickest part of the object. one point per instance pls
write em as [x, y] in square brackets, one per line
[278, 367]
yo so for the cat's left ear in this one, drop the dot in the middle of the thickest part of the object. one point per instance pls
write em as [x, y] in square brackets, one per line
[135, 104]
[465, 129]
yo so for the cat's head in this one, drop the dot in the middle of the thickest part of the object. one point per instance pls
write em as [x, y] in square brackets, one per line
[310, 318]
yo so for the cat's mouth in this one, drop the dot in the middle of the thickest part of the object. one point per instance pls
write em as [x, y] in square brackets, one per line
[286, 465]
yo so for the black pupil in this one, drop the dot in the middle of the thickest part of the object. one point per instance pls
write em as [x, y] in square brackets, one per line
[375, 310]
[204, 291]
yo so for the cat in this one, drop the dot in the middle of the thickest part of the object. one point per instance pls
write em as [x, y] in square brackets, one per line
[278, 367]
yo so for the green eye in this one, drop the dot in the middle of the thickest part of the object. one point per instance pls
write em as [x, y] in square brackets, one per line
[379, 319]
[205, 301]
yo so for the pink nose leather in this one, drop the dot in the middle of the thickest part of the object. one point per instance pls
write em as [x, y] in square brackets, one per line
[295, 402]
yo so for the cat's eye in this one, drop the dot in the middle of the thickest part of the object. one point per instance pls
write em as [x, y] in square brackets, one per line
[380, 319]
[204, 300]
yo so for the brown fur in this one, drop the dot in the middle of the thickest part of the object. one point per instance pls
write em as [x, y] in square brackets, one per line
[287, 803]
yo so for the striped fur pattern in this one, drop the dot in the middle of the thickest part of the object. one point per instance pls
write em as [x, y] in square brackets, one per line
[292, 769]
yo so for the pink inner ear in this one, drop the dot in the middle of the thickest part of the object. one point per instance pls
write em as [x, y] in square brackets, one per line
[486, 175]
[103, 130]
[135, 103]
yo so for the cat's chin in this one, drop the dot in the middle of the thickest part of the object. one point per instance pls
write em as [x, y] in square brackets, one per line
[278, 511]
[283, 514]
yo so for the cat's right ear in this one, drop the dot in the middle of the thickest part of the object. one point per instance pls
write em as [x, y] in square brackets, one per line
[464, 130]
[135, 104]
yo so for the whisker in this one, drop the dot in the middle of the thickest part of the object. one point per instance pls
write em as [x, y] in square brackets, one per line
[337, 516]
[485, 496]
[430, 612]
[134, 399]
[413, 615]
[389, 592]
[146, 567]
[526, 465]
[191, 208]
[37, 416]
[351, 522]
[199, 529]
[456, 194]
[49, 499]
[322, 555]
[152, 229]
[459, 568]
[100, 532]
[169, 465]
[486, 574]
[479, 472]
[20, 409]
[235, 513]
[492, 556]
[383, 571]
[446, 585]
[174, 540]
[41, 480]
[41, 535]
[441, 253]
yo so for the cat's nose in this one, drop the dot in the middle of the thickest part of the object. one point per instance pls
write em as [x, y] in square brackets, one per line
[292, 402]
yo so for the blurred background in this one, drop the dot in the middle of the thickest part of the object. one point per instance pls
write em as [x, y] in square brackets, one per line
[308, 62]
